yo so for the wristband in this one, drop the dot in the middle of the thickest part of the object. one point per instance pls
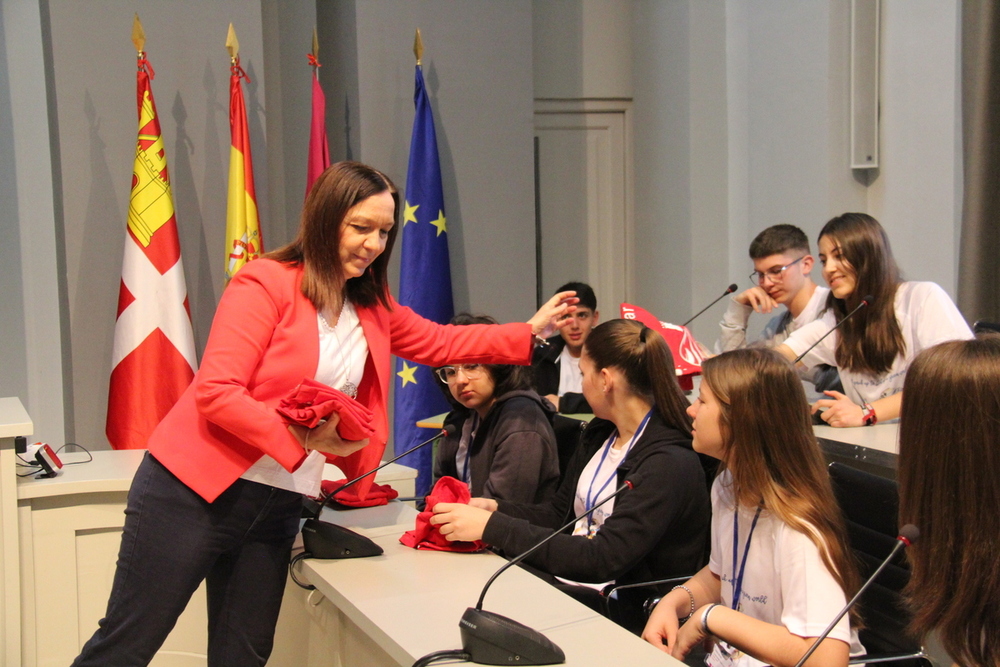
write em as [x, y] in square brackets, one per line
[690, 595]
[704, 618]
[868, 414]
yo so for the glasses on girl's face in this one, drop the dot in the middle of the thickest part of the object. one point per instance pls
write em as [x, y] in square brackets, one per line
[775, 274]
[448, 374]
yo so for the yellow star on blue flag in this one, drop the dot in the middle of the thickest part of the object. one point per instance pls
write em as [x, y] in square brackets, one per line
[407, 374]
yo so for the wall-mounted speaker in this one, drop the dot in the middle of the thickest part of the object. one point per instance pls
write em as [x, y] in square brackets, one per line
[864, 83]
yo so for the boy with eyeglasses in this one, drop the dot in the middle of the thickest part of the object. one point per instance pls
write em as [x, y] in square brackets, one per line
[782, 263]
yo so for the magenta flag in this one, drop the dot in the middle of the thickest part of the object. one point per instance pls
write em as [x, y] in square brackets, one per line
[319, 150]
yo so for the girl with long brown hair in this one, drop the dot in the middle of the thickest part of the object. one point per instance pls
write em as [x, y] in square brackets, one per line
[949, 463]
[640, 432]
[873, 348]
[780, 568]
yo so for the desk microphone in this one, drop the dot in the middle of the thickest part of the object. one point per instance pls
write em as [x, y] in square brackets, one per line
[864, 302]
[322, 539]
[729, 290]
[492, 639]
[908, 534]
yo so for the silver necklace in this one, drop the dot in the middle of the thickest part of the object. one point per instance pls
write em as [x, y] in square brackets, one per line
[348, 387]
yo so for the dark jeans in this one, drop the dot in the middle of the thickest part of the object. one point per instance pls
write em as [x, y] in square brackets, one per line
[172, 541]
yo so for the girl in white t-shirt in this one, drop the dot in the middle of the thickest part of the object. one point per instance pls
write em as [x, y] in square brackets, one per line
[873, 348]
[780, 568]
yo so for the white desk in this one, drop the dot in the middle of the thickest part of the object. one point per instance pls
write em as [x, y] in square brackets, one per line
[70, 531]
[395, 608]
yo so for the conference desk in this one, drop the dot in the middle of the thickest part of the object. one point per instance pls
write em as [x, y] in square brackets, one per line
[870, 448]
[393, 609]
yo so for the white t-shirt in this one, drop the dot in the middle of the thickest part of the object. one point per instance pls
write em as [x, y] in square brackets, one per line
[570, 379]
[785, 581]
[343, 350]
[926, 317]
[734, 325]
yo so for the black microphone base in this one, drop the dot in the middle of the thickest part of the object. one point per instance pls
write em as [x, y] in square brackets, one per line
[328, 541]
[492, 639]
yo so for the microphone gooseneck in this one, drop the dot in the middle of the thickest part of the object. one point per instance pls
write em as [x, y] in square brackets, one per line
[449, 430]
[867, 301]
[908, 534]
[325, 540]
[627, 484]
[729, 290]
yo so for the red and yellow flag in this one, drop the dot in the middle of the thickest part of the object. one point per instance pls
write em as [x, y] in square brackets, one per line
[153, 356]
[243, 240]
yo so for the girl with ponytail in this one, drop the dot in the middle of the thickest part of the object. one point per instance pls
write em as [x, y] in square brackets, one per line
[641, 433]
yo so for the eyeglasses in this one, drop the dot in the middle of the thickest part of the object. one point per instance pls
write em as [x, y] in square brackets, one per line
[448, 374]
[775, 274]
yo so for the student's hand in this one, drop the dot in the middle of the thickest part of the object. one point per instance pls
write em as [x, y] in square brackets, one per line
[840, 410]
[661, 628]
[324, 438]
[758, 299]
[552, 315]
[487, 504]
[690, 635]
[460, 522]
[554, 400]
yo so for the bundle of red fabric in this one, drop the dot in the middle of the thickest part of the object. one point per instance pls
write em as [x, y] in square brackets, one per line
[378, 494]
[427, 535]
[312, 402]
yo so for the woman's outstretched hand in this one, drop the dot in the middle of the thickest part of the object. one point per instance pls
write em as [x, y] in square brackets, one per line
[552, 315]
[324, 438]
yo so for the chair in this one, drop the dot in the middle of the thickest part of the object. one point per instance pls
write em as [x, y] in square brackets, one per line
[982, 326]
[629, 605]
[871, 506]
[568, 432]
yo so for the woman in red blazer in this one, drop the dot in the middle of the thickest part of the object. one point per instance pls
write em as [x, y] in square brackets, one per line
[219, 494]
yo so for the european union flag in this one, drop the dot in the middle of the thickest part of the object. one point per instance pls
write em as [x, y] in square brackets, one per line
[424, 285]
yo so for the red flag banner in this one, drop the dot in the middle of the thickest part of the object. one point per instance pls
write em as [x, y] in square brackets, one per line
[319, 148]
[153, 357]
[243, 239]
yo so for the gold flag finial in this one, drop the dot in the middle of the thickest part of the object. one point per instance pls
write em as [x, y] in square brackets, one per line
[138, 34]
[315, 44]
[232, 44]
[418, 47]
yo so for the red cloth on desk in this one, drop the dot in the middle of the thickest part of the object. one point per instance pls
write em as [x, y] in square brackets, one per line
[378, 494]
[427, 535]
[312, 401]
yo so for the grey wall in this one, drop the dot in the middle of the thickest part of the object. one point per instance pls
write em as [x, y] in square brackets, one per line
[739, 115]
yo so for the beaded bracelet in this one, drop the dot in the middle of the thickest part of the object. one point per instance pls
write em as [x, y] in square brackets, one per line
[690, 595]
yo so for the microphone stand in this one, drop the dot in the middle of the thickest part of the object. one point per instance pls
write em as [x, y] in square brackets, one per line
[325, 540]
[908, 534]
[864, 302]
[492, 639]
[729, 290]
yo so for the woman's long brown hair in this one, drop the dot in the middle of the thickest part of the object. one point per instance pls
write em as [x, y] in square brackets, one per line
[644, 358]
[870, 340]
[949, 467]
[317, 245]
[772, 455]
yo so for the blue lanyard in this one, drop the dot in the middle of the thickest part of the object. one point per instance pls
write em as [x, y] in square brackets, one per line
[466, 477]
[738, 581]
[591, 499]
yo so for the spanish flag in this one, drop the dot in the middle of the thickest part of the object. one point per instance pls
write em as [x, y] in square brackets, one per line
[153, 356]
[243, 239]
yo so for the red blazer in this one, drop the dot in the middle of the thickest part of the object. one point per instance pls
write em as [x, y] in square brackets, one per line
[264, 341]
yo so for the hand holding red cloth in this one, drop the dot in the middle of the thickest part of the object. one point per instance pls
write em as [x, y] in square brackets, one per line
[428, 536]
[378, 494]
[312, 401]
